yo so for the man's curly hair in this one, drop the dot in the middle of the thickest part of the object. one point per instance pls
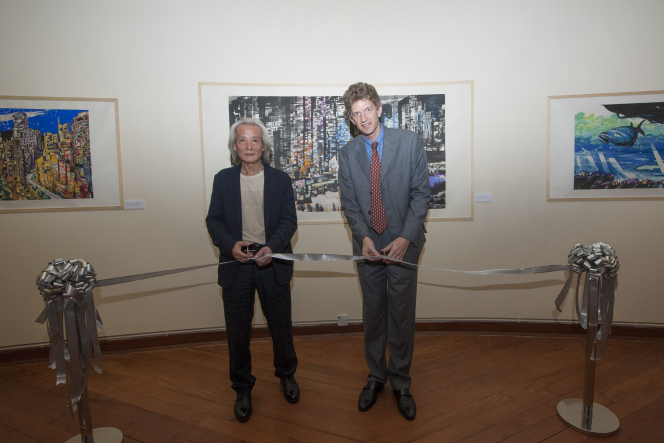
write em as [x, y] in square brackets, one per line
[360, 91]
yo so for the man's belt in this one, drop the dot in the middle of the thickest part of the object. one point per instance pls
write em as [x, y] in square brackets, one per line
[252, 248]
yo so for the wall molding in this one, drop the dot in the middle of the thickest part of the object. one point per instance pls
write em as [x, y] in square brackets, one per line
[118, 344]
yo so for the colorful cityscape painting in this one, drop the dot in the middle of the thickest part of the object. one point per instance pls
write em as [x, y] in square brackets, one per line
[45, 154]
[308, 131]
[619, 146]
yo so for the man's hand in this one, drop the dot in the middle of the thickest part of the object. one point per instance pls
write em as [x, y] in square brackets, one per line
[369, 249]
[263, 261]
[238, 254]
[397, 249]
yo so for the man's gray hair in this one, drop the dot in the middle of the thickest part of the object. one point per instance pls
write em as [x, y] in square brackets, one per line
[267, 141]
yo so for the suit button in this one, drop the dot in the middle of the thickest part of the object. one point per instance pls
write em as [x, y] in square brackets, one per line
[369, 212]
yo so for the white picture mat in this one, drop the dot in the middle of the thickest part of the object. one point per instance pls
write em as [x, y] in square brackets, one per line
[458, 136]
[104, 154]
[562, 110]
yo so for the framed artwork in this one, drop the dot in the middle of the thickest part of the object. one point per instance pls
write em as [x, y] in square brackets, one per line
[606, 146]
[308, 125]
[59, 154]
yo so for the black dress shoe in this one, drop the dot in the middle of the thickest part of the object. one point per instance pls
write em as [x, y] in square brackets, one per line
[242, 408]
[406, 403]
[291, 389]
[368, 395]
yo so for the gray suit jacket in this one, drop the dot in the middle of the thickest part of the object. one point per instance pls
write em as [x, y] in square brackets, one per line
[404, 185]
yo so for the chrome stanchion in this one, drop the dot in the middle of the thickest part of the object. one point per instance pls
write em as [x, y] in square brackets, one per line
[88, 434]
[99, 435]
[584, 415]
[84, 418]
[70, 311]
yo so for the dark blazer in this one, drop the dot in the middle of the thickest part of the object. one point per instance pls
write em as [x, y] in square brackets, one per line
[224, 220]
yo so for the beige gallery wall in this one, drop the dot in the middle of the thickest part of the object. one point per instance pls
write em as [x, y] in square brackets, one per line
[151, 56]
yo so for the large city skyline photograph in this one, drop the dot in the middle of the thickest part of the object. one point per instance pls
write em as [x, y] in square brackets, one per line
[308, 131]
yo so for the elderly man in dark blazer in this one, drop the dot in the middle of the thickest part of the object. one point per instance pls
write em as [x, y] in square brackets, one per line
[385, 194]
[252, 213]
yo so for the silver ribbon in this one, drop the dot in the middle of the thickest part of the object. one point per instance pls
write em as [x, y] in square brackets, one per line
[600, 264]
[327, 257]
[337, 257]
[71, 318]
[118, 280]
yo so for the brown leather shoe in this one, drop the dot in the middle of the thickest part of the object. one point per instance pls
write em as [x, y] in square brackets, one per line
[406, 403]
[368, 395]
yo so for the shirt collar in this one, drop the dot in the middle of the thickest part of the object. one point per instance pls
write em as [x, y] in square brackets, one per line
[379, 140]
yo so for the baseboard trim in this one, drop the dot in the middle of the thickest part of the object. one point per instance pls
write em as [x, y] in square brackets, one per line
[537, 328]
[124, 344]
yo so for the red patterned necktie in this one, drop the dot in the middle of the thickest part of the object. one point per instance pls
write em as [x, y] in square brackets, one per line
[378, 221]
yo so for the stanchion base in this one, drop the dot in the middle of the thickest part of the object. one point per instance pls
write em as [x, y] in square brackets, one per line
[604, 423]
[102, 435]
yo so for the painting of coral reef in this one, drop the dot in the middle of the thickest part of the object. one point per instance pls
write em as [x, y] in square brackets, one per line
[619, 146]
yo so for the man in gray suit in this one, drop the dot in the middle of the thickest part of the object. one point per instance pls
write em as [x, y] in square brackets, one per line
[384, 181]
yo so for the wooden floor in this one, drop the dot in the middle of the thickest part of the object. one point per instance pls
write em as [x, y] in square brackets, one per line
[468, 388]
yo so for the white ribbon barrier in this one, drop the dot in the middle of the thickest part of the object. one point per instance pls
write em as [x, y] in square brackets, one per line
[67, 290]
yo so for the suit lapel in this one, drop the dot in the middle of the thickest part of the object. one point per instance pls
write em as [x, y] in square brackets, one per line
[389, 147]
[236, 194]
[362, 157]
[268, 194]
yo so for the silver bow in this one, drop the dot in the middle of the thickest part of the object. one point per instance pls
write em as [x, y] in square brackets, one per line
[72, 318]
[600, 264]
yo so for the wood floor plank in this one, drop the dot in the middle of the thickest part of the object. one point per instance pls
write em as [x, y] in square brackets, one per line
[464, 380]
[224, 395]
[638, 400]
[40, 404]
[437, 418]
[650, 431]
[9, 435]
[36, 429]
[567, 436]
[261, 398]
[539, 413]
[644, 426]
[539, 432]
[149, 420]
[508, 367]
[468, 388]
[510, 410]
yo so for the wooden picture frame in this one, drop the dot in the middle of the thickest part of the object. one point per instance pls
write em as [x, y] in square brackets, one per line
[59, 154]
[605, 146]
[453, 128]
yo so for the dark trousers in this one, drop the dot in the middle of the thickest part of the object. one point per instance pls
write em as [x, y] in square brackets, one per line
[239, 312]
[388, 310]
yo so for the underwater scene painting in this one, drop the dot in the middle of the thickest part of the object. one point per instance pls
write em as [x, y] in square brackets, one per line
[619, 146]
